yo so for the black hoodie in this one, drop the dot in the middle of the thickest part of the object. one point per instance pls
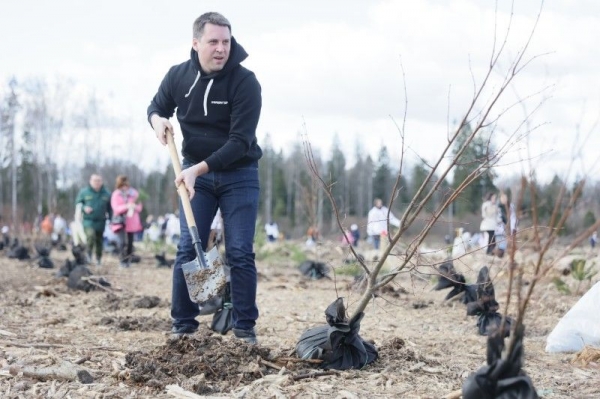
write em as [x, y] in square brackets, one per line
[218, 113]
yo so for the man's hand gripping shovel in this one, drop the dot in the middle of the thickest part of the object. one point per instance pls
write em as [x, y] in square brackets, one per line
[205, 276]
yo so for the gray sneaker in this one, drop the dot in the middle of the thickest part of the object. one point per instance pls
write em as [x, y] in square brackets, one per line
[248, 336]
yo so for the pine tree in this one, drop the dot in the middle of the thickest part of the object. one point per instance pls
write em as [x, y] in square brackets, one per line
[475, 153]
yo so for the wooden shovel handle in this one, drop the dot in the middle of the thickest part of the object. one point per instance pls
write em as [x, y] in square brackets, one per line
[185, 198]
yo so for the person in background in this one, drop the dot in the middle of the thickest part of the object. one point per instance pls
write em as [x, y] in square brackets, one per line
[172, 229]
[92, 207]
[489, 214]
[124, 201]
[594, 239]
[355, 234]
[312, 235]
[218, 103]
[152, 233]
[272, 231]
[5, 235]
[501, 223]
[347, 238]
[377, 222]
[47, 225]
[508, 207]
[59, 228]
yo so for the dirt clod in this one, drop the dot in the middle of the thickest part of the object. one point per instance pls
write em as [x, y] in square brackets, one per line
[146, 302]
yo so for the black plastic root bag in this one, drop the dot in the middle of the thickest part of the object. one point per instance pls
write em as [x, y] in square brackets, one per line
[338, 344]
[449, 277]
[314, 270]
[501, 379]
[486, 306]
[222, 321]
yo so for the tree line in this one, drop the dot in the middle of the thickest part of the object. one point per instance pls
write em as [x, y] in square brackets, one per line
[38, 124]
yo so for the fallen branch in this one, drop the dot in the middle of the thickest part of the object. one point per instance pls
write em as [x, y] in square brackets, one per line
[82, 360]
[270, 364]
[64, 371]
[314, 374]
[298, 360]
[37, 346]
[92, 281]
[44, 345]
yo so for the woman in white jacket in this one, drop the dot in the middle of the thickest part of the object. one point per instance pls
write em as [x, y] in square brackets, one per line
[489, 213]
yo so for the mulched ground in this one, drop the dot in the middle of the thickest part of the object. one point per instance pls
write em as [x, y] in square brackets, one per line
[120, 335]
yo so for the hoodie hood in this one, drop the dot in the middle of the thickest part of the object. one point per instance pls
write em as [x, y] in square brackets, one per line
[237, 54]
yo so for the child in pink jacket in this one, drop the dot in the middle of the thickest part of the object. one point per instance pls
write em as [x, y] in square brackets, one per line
[124, 202]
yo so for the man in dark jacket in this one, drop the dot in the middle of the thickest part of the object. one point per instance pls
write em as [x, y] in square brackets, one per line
[218, 104]
[92, 208]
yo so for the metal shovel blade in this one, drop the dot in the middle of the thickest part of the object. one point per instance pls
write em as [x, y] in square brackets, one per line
[205, 283]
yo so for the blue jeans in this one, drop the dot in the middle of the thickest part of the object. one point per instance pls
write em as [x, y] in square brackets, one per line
[376, 241]
[236, 192]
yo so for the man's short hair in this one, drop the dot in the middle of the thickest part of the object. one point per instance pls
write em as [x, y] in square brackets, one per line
[209, 18]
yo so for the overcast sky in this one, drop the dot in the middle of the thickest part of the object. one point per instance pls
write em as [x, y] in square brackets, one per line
[335, 65]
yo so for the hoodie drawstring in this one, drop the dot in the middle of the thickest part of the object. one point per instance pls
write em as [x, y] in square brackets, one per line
[206, 96]
[193, 85]
[205, 93]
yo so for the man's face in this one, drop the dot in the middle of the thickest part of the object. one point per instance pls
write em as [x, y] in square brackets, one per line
[213, 47]
[96, 182]
[378, 204]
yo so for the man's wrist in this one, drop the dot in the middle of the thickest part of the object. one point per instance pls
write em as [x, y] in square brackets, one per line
[205, 167]
[201, 168]
[151, 118]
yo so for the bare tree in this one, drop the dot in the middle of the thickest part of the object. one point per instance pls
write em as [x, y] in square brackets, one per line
[44, 119]
[482, 115]
[8, 148]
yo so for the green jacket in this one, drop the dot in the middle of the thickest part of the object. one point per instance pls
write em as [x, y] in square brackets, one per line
[100, 203]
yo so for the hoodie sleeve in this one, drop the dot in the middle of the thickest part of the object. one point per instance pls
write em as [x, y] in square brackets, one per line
[163, 103]
[245, 112]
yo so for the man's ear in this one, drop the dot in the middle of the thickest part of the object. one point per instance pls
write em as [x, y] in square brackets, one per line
[195, 44]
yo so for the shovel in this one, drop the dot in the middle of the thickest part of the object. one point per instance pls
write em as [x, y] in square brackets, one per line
[204, 276]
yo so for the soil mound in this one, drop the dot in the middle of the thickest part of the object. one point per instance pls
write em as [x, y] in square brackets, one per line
[211, 364]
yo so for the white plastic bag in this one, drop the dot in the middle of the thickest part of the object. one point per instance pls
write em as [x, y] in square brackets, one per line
[579, 327]
[77, 233]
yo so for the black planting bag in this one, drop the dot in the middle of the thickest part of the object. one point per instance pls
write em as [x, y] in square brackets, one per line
[501, 378]
[314, 270]
[486, 306]
[312, 342]
[338, 344]
[222, 319]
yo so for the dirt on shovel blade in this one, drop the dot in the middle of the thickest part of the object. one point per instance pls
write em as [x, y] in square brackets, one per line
[204, 284]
